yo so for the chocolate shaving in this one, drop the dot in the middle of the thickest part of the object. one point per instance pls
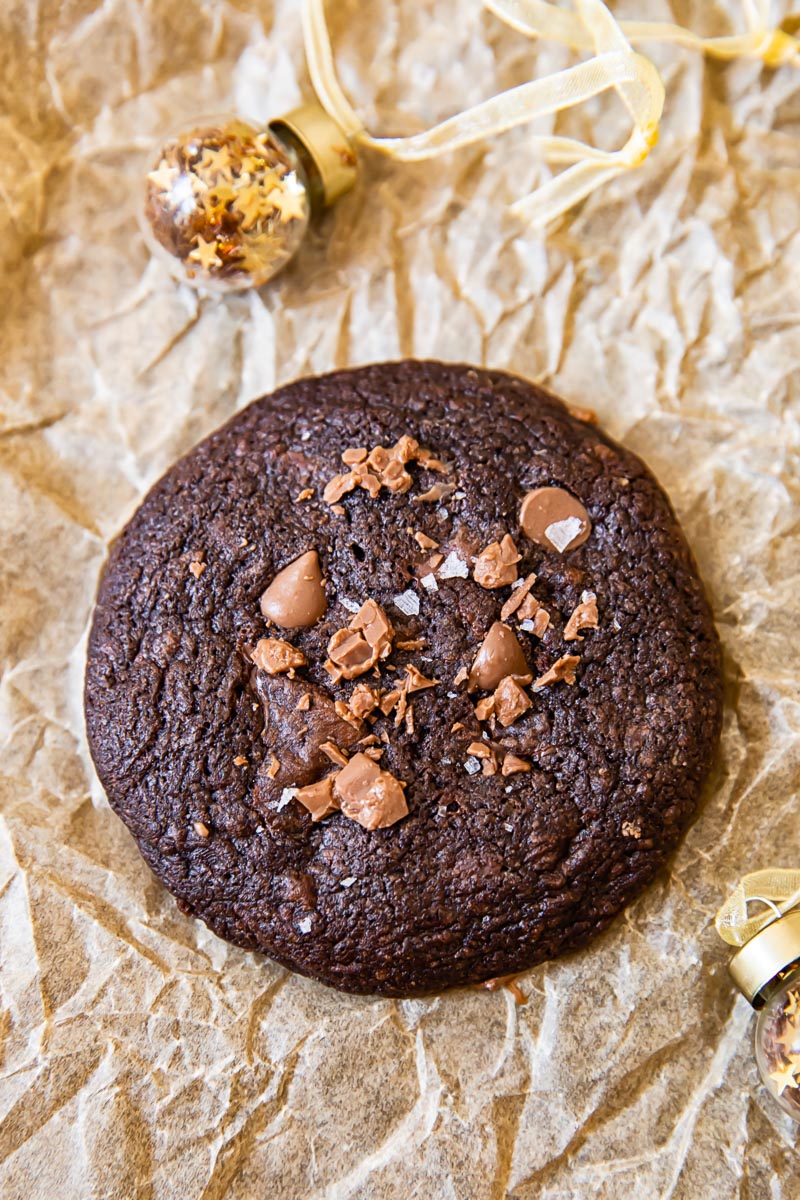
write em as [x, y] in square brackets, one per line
[514, 765]
[517, 596]
[478, 749]
[344, 711]
[276, 657]
[380, 468]
[319, 798]
[528, 608]
[496, 566]
[417, 682]
[439, 491]
[584, 616]
[561, 671]
[363, 701]
[333, 752]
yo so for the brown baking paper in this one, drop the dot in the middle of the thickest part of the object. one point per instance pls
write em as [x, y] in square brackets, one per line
[140, 1056]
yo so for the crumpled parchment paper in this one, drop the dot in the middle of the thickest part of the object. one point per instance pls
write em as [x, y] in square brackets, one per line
[141, 1057]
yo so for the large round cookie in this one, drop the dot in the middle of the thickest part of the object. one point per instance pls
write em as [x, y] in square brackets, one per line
[531, 821]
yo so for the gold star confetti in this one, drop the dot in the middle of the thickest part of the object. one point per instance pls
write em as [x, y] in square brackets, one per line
[783, 1076]
[253, 204]
[790, 1038]
[791, 1005]
[215, 160]
[206, 253]
[289, 204]
[217, 198]
[164, 177]
[259, 168]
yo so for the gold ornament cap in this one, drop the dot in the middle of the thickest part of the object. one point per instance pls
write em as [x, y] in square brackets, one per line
[329, 155]
[765, 955]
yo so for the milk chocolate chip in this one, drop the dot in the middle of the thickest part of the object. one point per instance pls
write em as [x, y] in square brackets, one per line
[553, 517]
[500, 655]
[296, 598]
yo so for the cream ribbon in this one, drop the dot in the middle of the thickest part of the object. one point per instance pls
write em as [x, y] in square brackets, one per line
[778, 890]
[613, 65]
[537, 18]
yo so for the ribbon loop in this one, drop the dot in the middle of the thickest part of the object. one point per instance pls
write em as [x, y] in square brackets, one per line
[613, 65]
[778, 890]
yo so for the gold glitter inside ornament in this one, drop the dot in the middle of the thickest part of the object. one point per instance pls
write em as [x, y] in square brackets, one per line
[778, 1041]
[766, 969]
[227, 205]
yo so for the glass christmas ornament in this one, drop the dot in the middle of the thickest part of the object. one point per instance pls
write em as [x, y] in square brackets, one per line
[767, 972]
[227, 204]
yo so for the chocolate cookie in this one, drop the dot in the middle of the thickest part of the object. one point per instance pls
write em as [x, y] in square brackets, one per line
[404, 677]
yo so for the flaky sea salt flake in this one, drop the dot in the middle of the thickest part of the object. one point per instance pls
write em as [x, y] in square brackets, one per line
[287, 795]
[453, 567]
[408, 603]
[563, 533]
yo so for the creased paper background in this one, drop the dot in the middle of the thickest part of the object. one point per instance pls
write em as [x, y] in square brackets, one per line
[140, 1057]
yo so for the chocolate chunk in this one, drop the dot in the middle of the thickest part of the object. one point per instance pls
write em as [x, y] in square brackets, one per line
[363, 700]
[563, 669]
[510, 701]
[368, 638]
[435, 493]
[520, 593]
[500, 655]
[332, 751]
[416, 682]
[318, 798]
[584, 617]
[296, 597]
[528, 608]
[295, 735]
[275, 656]
[553, 517]
[496, 566]
[382, 467]
[514, 765]
[369, 795]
